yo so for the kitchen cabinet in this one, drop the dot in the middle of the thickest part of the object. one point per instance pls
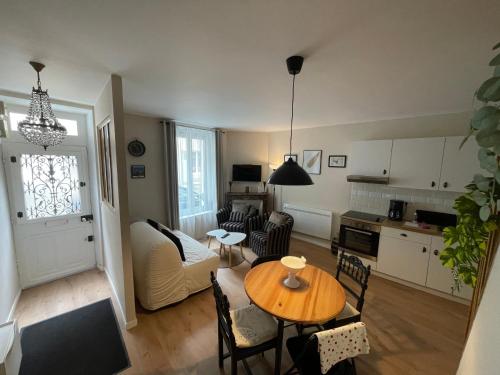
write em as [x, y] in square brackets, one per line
[406, 260]
[416, 163]
[459, 165]
[371, 158]
[441, 278]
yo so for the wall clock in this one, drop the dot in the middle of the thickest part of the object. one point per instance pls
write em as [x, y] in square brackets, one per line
[136, 148]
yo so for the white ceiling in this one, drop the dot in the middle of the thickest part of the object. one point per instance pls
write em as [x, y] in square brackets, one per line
[222, 62]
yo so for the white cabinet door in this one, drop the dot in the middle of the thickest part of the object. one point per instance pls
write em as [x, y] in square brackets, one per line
[416, 163]
[371, 158]
[403, 259]
[459, 165]
[440, 277]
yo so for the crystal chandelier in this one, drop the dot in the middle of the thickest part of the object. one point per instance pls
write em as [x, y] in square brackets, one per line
[41, 126]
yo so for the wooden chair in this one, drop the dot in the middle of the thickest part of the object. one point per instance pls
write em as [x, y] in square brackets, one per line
[259, 333]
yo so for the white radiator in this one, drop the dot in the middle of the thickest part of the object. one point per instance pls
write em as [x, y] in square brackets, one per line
[311, 221]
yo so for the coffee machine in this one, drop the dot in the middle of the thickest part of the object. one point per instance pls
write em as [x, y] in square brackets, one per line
[396, 210]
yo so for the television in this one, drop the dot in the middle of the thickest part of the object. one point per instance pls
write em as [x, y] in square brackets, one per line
[247, 172]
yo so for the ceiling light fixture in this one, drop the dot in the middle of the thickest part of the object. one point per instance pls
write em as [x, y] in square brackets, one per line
[290, 173]
[41, 126]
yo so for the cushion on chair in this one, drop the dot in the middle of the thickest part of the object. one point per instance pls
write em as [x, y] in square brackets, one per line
[231, 226]
[237, 216]
[260, 235]
[252, 211]
[240, 206]
[175, 240]
[277, 219]
[348, 312]
[252, 326]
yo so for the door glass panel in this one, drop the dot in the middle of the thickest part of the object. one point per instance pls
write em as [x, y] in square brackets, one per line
[50, 185]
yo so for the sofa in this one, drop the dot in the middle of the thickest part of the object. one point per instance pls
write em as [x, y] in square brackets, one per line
[161, 278]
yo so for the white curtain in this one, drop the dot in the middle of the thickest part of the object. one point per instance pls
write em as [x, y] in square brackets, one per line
[197, 184]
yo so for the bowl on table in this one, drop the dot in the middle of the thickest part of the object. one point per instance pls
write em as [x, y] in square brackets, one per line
[293, 265]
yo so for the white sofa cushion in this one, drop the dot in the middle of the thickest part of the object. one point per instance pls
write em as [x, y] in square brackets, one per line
[252, 326]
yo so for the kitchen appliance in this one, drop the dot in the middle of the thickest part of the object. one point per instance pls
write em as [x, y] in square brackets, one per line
[440, 219]
[396, 210]
[360, 233]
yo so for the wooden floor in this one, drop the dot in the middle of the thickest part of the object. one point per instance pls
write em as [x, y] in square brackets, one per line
[411, 332]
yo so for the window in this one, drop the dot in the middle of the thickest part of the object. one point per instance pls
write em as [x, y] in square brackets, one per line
[196, 171]
[105, 164]
[51, 185]
[70, 125]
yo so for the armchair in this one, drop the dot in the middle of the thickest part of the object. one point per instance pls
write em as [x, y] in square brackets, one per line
[267, 238]
[240, 224]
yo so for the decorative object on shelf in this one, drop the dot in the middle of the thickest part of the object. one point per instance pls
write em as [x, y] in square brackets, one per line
[293, 265]
[312, 161]
[3, 121]
[290, 173]
[138, 171]
[264, 184]
[294, 157]
[337, 161]
[247, 189]
[230, 185]
[136, 148]
[471, 245]
[41, 126]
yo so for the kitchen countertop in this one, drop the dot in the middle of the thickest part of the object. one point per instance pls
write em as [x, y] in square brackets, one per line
[433, 230]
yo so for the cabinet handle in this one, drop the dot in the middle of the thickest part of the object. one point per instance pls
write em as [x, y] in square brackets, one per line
[385, 171]
[403, 235]
[436, 252]
[433, 183]
[424, 249]
[445, 185]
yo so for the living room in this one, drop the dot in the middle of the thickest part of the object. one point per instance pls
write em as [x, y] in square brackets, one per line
[228, 187]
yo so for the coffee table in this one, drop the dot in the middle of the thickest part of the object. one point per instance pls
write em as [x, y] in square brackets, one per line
[215, 233]
[234, 238]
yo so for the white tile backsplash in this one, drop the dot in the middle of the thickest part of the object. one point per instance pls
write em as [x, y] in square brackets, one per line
[375, 199]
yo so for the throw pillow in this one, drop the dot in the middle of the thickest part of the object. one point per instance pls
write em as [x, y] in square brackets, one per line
[240, 207]
[237, 216]
[252, 212]
[277, 219]
[176, 241]
[269, 226]
[153, 223]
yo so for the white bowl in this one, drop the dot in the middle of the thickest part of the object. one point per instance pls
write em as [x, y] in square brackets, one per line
[293, 265]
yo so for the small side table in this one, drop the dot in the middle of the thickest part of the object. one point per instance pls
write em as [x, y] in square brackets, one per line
[234, 238]
[215, 233]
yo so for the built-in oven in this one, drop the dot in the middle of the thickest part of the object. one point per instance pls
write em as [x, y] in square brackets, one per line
[359, 238]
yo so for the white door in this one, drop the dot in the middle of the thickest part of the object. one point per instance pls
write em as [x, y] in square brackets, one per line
[403, 259]
[459, 165]
[416, 163]
[48, 193]
[440, 277]
[371, 158]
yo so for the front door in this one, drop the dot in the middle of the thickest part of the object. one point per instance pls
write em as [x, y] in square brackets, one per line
[49, 198]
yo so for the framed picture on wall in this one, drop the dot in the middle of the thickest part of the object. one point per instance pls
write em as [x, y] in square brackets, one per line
[337, 161]
[312, 161]
[138, 171]
[287, 156]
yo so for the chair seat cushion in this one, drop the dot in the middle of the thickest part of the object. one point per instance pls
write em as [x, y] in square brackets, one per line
[237, 216]
[260, 236]
[252, 326]
[348, 312]
[231, 226]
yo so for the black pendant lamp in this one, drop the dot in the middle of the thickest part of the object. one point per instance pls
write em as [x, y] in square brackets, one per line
[290, 173]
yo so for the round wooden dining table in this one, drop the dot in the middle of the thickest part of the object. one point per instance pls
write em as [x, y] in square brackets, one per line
[318, 299]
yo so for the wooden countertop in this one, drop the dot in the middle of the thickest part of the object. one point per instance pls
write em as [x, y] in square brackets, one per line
[433, 230]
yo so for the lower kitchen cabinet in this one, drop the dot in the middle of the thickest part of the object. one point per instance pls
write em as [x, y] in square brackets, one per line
[406, 260]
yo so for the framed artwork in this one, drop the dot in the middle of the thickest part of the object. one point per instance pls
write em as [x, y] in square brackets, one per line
[138, 171]
[105, 163]
[312, 161]
[287, 156]
[337, 161]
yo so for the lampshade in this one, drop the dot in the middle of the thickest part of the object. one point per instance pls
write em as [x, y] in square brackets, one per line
[290, 173]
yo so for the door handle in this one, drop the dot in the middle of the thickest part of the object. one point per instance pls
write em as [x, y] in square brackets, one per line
[403, 235]
[433, 183]
[424, 249]
[436, 252]
[445, 185]
[385, 171]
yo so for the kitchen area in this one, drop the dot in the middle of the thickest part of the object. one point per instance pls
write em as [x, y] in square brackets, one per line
[402, 196]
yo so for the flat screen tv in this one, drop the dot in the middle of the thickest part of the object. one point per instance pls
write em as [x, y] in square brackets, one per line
[247, 172]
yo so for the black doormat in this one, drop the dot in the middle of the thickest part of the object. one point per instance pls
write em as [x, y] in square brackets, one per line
[83, 341]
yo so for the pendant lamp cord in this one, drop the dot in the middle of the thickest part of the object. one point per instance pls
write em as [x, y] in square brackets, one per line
[291, 119]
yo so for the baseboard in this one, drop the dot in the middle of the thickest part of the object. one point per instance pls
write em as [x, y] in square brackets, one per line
[14, 305]
[314, 240]
[125, 323]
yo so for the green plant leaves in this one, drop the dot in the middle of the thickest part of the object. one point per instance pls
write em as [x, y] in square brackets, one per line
[489, 90]
[495, 61]
[486, 117]
[482, 183]
[487, 158]
[496, 46]
[484, 213]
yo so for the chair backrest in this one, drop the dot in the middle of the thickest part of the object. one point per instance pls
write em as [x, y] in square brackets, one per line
[264, 259]
[352, 267]
[222, 305]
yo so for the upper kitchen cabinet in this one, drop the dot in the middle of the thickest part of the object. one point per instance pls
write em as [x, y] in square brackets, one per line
[416, 163]
[459, 165]
[371, 158]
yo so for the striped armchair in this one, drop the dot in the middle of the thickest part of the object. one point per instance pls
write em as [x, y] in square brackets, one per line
[274, 240]
[241, 225]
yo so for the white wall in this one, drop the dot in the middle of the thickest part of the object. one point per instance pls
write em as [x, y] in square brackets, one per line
[146, 196]
[115, 220]
[481, 353]
[9, 279]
